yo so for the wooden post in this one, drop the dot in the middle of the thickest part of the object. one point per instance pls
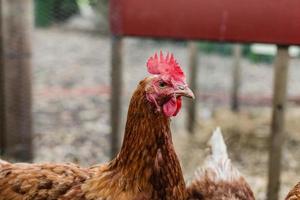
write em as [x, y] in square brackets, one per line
[277, 129]
[2, 118]
[192, 105]
[16, 74]
[236, 77]
[116, 93]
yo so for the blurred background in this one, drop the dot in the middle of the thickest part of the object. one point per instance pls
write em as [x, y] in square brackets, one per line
[71, 56]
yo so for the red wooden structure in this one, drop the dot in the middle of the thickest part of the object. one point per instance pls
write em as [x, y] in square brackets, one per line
[264, 21]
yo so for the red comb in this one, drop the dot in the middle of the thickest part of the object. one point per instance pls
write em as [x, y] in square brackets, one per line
[167, 67]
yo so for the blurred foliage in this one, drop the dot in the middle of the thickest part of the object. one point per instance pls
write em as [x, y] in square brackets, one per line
[64, 9]
[225, 49]
[101, 9]
[99, 5]
[48, 11]
[220, 48]
[102, 4]
[43, 13]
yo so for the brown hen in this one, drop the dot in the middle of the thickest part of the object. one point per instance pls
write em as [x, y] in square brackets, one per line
[145, 168]
[218, 179]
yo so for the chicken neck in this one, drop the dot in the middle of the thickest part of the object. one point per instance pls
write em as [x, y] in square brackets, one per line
[147, 165]
[147, 153]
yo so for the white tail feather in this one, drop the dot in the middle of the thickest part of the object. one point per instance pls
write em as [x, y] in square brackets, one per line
[217, 165]
[218, 146]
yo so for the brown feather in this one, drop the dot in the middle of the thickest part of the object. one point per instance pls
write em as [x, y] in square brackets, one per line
[294, 194]
[208, 189]
[39, 181]
[218, 179]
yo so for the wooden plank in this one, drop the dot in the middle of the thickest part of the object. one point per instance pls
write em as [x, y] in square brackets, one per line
[230, 20]
[16, 34]
[278, 117]
[236, 77]
[192, 105]
[116, 93]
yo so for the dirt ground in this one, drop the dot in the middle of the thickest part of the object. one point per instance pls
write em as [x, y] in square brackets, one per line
[71, 104]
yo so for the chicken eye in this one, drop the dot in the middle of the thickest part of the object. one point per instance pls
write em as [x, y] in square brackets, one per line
[162, 84]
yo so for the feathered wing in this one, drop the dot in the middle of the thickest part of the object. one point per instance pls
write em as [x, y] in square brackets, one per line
[218, 178]
[39, 181]
[294, 194]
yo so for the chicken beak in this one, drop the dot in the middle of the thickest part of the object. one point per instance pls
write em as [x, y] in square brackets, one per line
[185, 91]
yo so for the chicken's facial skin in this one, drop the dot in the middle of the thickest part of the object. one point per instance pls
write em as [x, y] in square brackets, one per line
[166, 95]
[167, 85]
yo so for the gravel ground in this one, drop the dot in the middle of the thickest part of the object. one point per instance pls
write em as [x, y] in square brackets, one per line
[71, 104]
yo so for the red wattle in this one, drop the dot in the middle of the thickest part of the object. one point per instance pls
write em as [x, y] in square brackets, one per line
[172, 107]
[179, 103]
